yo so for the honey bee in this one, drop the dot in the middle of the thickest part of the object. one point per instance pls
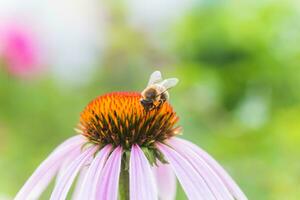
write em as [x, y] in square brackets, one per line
[156, 92]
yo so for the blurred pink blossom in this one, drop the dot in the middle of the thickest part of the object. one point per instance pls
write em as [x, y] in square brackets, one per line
[19, 47]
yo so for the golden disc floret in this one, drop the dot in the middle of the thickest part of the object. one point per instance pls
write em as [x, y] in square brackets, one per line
[118, 118]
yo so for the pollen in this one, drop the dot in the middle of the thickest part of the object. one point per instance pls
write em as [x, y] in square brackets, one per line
[119, 119]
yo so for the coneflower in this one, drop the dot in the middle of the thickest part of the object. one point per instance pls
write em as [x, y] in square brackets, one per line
[125, 151]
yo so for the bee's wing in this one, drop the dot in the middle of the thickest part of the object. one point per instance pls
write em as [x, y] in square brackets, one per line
[169, 83]
[155, 78]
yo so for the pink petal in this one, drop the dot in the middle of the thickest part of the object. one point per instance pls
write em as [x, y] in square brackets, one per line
[77, 140]
[214, 183]
[192, 183]
[65, 166]
[88, 186]
[38, 181]
[165, 181]
[42, 184]
[227, 180]
[61, 189]
[79, 182]
[109, 178]
[142, 184]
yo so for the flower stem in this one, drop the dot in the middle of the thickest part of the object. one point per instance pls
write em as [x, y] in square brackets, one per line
[124, 181]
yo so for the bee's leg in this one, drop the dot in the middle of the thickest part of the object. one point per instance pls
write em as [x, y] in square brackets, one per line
[152, 107]
[161, 102]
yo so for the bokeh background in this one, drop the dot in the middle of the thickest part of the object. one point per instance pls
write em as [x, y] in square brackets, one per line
[238, 63]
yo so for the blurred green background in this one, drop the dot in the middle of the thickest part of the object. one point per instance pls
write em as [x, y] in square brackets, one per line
[238, 97]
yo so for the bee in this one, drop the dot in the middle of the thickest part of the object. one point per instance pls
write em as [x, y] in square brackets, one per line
[156, 92]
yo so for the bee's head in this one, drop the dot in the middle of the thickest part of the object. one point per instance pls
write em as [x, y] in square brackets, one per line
[146, 103]
[150, 94]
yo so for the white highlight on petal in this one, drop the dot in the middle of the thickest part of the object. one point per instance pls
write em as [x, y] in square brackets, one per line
[61, 189]
[142, 184]
[109, 178]
[42, 176]
[227, 180]
[88, 186]
[213, 181]
[165, 181]
[192, 183]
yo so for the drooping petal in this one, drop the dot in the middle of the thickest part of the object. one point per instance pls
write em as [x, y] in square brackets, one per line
[227, 180]
[61, 189]
[71, 141]
[142, 183]
[42, 176]
[88, 186]
[109, 178]
[213, 181]
[44, 182]
[64, 166]
[79, 182]
[165, 181]
[192, 183]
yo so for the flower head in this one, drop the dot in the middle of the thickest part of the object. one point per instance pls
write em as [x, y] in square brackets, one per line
[128, 152]
[119, 119]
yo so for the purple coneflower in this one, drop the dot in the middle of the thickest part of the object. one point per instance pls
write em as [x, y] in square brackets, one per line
[127, 152]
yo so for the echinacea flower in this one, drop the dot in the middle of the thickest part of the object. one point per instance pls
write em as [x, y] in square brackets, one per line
[126, 152]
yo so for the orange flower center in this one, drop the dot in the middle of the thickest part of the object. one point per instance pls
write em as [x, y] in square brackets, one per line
[118, 118]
